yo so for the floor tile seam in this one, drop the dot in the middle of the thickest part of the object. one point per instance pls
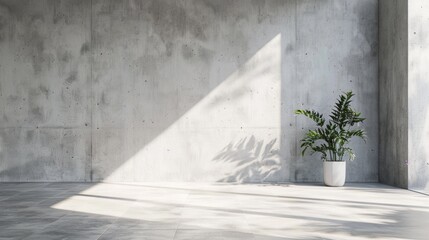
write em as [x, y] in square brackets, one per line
[175, 233]
[52, 223]
[104, 231]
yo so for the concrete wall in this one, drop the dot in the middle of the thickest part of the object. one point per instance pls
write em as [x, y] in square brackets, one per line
[418, 97]
[393, 70]
[186, 90]
[404, 111]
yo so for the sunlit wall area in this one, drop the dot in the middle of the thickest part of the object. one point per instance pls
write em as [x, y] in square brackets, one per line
[189, 90]
[418, 97]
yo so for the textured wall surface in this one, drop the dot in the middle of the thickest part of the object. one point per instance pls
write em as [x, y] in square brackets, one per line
[418, 97]
[393, 70]
[190, 90]
[45, 132]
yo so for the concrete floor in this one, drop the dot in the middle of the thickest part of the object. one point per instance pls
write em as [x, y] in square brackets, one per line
[210, 211]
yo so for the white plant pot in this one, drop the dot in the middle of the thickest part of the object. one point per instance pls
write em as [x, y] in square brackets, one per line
[334, 173]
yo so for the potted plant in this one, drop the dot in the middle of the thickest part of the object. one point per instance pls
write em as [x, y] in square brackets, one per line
[331, 138]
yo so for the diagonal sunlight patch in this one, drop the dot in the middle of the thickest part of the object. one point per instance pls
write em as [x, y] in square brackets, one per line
[232, 134]
[245, 207]
[246, 106]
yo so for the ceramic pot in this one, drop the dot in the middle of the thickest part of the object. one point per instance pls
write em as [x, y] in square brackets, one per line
[334, 173]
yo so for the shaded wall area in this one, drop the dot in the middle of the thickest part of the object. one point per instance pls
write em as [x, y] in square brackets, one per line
[189, 90]
[336, 51]
[393, 72]
[45, 90]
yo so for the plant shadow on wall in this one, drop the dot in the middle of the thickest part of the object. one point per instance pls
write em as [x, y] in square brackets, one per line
[254, 160]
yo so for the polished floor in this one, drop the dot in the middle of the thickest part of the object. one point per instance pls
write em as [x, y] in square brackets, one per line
[210, 211]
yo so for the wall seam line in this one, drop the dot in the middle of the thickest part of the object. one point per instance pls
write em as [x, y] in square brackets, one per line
[91, 89]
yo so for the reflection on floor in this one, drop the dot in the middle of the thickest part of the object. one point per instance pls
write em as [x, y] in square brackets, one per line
[210, 211]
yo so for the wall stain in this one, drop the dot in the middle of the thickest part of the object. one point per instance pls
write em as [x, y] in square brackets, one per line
[169, 20]
[169, 49]
[187, 52]
[12, 98]
[71, 78]
[366, 16]
[3, 24]
[29, 136]
[64, 56]
[35, 43]
[85, 48]
[62, 10]
[289, 49]
[37, 113]
[103, 99]
[217, 7]
[13, 8]
[206, 54]
[35, 108]
[44, 90]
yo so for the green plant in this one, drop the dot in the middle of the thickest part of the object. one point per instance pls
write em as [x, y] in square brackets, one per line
[331, 139]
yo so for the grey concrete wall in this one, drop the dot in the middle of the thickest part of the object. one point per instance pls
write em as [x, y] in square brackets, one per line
[393, 70]
[418, 97]
[189, 90]
[45, 132]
